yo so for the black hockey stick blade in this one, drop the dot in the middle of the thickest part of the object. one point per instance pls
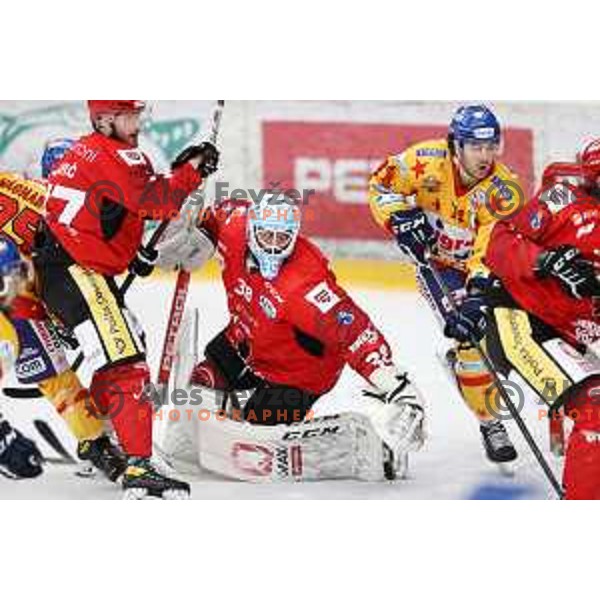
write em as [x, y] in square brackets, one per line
[22, 393]
[50, 437]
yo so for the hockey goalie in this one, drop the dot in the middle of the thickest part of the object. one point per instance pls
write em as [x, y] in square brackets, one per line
[291, 331]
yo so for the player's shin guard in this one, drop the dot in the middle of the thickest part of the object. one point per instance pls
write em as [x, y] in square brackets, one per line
[71, 401]
[475, 383]
[120, 392]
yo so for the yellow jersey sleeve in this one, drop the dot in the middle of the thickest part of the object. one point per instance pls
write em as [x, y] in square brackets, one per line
[391, 188]
[9, 345]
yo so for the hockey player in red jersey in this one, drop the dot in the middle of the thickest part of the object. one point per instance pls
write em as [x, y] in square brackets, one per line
[292, 327]
[547, 259]
[100, 194]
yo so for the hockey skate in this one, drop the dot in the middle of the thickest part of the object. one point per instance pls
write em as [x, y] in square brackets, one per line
[103, 456]
[142, 481]
[498, 447]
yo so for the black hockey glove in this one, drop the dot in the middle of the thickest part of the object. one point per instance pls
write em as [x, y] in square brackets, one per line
[414, 234]
[209, 158]
[469, 322]
[576, 275]
[143, 263]
[19, 456]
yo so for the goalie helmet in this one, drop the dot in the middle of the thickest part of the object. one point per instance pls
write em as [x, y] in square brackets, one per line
[272, 230]
[53, 154]
[13, 272]
[474, 123]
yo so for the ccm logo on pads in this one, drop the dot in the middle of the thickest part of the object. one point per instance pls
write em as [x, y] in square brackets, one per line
[322, 297]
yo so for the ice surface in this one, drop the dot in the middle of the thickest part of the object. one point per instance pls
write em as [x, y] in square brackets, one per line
[450, 466]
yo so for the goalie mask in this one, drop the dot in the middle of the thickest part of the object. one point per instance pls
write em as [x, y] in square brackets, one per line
[272, 231]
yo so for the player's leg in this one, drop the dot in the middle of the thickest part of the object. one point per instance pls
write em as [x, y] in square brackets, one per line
[474, 382]
[42, 362]
[582, 460]
[91, 306]
[561, 376]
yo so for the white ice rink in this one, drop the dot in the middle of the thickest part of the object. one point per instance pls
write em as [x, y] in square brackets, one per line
[450, 466]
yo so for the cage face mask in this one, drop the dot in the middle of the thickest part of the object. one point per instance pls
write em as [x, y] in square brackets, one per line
[272, 230]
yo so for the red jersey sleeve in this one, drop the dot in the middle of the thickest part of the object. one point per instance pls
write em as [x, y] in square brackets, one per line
[142, 191]
[323, 309]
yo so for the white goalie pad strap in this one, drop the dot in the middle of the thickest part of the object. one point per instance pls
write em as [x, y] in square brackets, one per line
[183, 246]
[342, 446]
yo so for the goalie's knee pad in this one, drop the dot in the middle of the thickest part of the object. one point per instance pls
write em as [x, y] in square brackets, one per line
[476, 383]
[72, 402]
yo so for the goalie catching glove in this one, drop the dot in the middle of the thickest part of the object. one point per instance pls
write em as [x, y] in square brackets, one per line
[400, 419]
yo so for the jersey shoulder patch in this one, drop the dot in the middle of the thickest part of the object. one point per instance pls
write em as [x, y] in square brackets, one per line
[132, 157]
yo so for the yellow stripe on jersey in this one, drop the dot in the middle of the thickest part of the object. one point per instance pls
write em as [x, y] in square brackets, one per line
[108, 318]
[524, 353]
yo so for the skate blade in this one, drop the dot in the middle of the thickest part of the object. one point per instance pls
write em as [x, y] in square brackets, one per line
[143, 494]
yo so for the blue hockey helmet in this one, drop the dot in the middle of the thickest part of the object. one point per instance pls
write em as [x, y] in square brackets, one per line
[53, 153]
[474, 123]
[272, 230]
[13, 271]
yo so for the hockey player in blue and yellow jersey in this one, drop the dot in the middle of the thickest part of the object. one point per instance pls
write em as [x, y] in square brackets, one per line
[440, 199]
[19, 456]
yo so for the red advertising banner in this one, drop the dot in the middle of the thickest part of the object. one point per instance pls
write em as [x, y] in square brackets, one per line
[336, 159]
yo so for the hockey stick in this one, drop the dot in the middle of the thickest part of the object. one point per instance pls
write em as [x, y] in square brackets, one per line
[183, 281]
[52, 440]
[451, 307]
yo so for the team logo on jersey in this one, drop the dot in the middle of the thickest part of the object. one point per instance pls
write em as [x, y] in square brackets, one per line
[536, 219]
[345, 317]
[323, 297]
[432, 152]
[267, 307]
[431, 184]
[132, 157]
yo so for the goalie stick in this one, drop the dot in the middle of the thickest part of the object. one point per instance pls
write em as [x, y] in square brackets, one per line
[447, 306]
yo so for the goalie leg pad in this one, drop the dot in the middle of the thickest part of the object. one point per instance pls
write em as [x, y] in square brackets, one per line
[342, 446]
